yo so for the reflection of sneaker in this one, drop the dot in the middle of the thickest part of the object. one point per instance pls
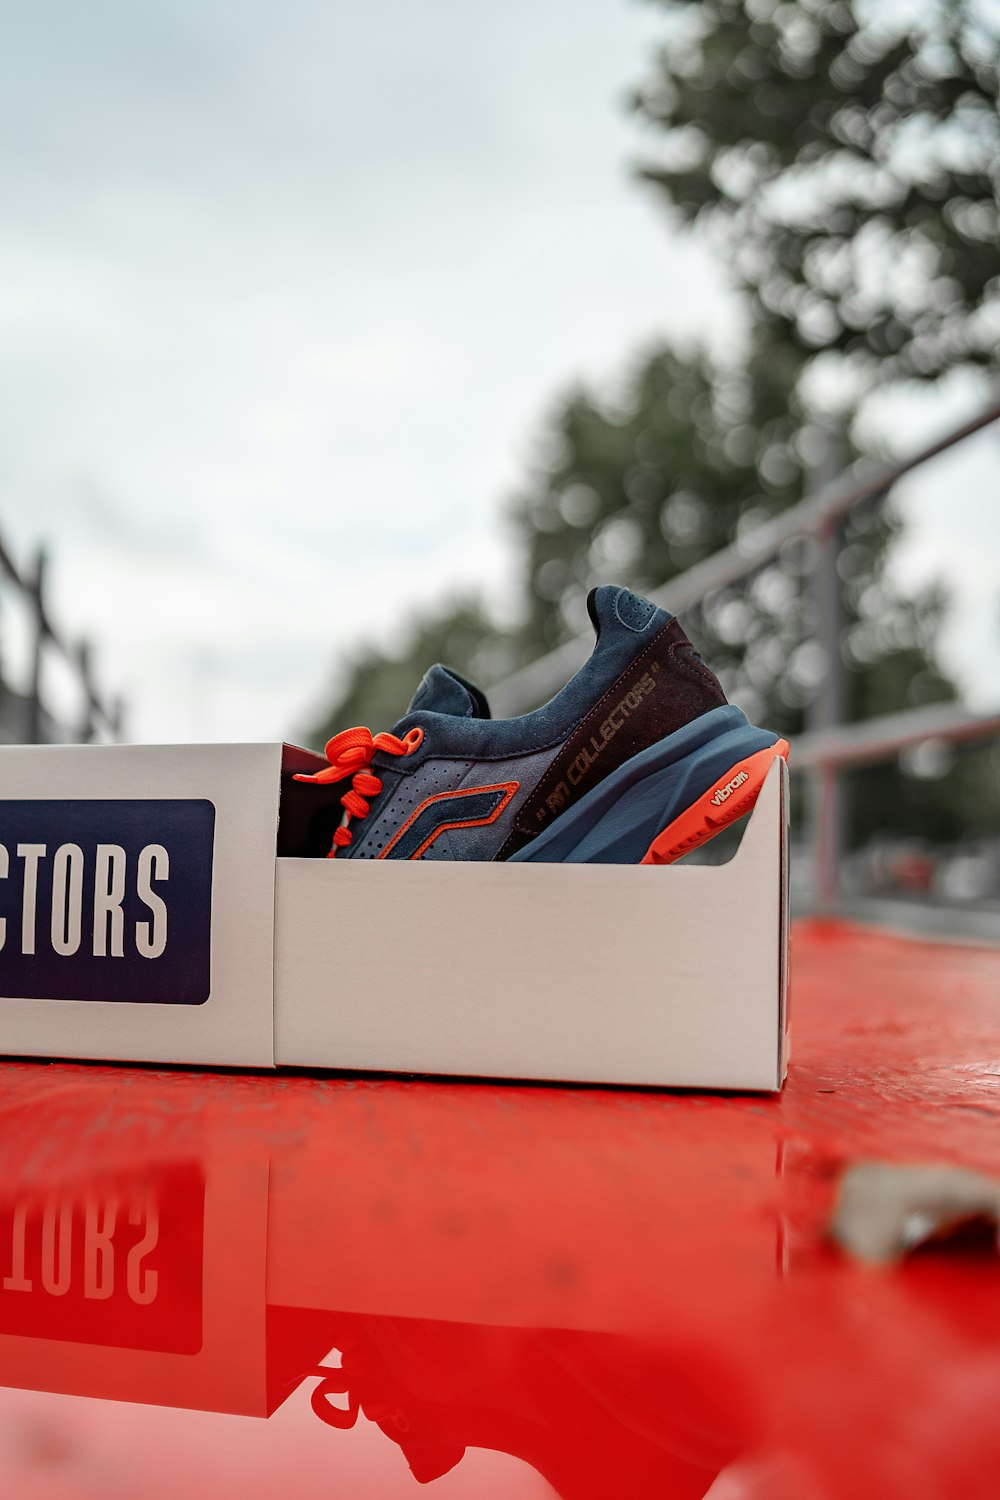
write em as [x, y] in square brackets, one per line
[593, 1413]
[638, 759]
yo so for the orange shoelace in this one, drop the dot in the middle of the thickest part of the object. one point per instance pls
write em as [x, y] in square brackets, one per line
[349, 752]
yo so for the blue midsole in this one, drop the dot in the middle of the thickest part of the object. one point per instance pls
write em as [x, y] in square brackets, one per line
[619, 819]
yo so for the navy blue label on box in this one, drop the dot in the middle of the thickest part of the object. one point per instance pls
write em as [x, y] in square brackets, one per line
[106, 901]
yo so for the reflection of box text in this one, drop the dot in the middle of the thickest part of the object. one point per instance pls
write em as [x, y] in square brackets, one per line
[117, 1262]
[101, 1267]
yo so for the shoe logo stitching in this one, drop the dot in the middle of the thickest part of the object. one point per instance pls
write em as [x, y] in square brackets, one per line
[469, 807]
[598, 743]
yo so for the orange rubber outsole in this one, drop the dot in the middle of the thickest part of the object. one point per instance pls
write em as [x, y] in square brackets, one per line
[731, 796]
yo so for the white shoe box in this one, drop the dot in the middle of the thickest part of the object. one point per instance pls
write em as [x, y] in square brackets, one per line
[145, 916]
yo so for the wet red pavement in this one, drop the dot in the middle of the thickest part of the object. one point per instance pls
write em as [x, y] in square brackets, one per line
[253, 1285]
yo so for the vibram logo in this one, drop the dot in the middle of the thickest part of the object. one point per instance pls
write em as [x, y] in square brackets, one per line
[725, 792]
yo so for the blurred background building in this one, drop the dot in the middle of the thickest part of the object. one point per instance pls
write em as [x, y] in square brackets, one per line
[336, 344]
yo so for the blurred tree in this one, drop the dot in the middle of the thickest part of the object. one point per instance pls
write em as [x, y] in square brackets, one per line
[845, 159]
[376, 686]
[848, 175]
[687, 459]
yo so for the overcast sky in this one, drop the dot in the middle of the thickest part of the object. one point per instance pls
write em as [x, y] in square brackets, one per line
[284, 294]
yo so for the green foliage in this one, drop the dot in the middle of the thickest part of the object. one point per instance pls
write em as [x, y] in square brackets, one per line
[377, 686]
[959, 799]
[847, 166]
[848, 174]
[684, 464]
[644, 490]
[640, 493]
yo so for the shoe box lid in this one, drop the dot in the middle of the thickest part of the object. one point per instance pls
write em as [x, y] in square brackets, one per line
[148, 914]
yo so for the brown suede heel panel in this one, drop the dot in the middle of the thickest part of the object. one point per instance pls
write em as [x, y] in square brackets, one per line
[664, 688]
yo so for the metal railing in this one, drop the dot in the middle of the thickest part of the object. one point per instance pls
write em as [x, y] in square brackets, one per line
[36, 726]
[829, 746]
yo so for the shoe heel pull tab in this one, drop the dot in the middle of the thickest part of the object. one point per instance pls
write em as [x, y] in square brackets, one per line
[611, 606]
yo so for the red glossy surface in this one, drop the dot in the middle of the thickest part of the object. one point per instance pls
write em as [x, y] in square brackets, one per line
[255, 1285]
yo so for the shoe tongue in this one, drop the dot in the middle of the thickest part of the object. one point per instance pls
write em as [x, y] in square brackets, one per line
[614, 610]
[442, 691]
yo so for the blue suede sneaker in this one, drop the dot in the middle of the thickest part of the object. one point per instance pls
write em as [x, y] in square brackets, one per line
[638, 759]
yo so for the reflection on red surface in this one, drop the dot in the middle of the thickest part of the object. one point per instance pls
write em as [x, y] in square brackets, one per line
[118, 1262]
[217, 1285]
[593, 1413]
